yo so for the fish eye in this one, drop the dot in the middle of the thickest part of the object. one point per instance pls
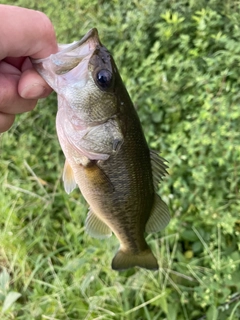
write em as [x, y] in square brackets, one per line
[104, 78]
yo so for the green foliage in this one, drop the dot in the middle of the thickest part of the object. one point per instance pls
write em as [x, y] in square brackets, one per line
[180, 62]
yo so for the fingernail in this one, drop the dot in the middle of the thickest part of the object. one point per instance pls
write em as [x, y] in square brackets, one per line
[33, 91]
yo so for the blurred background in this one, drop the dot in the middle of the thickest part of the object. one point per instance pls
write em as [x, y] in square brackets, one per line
[180, 62]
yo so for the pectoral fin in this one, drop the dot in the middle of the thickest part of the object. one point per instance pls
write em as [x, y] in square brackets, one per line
[68, 178]
[159, 217]
[101, 184]
[95, 227]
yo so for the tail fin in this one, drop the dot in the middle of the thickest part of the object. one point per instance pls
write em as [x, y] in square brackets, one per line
[125, 260]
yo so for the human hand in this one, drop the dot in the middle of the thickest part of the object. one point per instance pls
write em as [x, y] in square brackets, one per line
[24, 33]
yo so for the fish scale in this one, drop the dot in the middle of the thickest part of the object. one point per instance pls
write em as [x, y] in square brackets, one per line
[106, 152]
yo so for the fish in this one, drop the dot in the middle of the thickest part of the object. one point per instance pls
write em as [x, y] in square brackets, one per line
[106, 152]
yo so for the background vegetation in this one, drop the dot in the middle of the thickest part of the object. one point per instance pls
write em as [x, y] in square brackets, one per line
[180, 61]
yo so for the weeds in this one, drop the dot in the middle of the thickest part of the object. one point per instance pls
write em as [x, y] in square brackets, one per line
[180, 63]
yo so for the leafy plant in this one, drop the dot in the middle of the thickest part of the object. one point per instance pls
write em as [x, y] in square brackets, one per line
[180, 62]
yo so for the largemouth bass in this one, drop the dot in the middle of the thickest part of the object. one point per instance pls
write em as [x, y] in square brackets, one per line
[106, 152]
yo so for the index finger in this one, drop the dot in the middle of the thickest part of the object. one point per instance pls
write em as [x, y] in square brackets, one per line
[26, 32]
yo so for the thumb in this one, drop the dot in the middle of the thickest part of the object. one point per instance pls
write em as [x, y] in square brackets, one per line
[31, 85]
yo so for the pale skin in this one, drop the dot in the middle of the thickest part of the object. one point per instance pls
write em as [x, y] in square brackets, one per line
[24, 34]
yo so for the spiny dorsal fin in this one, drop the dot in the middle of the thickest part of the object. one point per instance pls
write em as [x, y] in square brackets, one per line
[159, 217]
[158, 168]
[95, 227]
[68, 178]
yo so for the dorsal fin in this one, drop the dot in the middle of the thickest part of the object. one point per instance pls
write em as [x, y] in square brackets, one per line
[95, 227]
[159, 217]
[158, 168]
[68, 178]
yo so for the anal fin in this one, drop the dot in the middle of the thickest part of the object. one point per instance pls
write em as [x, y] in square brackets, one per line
[159, 217]
[68, 178]
[95, 227]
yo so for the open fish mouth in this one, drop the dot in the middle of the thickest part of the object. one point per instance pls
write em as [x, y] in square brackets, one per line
[69, 56]
[90, 39]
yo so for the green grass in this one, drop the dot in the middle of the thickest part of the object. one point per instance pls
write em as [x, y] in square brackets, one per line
[62, 273]
[180, 63]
